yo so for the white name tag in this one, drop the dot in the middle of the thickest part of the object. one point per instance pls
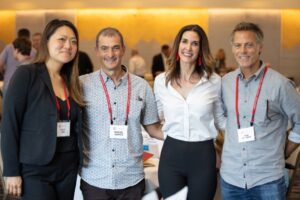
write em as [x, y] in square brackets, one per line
[118, 131]
[63, 128]
[246, 134]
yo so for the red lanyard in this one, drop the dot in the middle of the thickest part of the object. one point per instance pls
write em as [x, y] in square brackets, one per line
[255, 101]
[67, 100]
[108, 99]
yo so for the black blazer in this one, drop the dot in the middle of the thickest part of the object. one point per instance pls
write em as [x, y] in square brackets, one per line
[157, 64]
[29, 122]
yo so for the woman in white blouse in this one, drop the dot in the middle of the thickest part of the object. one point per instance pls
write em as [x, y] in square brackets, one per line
[187, 97]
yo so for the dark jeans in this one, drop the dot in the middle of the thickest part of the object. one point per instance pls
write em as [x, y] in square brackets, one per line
[90, 192]
[275, 190]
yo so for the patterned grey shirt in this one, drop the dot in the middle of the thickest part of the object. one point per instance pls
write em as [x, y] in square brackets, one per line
[114, 163]
[254, 163]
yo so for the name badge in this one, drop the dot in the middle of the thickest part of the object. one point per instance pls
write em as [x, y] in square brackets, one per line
[63, 128]
[246, 134]
[118, 131]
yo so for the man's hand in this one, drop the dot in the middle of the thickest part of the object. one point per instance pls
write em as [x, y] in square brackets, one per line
[14, 185]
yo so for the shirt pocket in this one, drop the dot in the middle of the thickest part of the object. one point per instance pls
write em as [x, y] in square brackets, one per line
[273, 111]
[266, 112]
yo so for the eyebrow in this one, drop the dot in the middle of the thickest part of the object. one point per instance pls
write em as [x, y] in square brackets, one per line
[190, 40]
[117, 45]
[62, 35]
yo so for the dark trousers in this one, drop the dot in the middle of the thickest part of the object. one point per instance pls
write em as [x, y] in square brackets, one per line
[55, 181]
[90, 192]
[191, 164]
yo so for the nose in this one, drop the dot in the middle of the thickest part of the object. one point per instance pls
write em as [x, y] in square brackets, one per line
[243, 49]
[68, 44]
[189, 46]
[110, 52]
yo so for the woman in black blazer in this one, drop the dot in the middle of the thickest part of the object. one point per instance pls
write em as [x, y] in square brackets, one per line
[41, 128]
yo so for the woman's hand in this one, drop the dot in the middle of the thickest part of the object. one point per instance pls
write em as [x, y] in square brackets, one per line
[14, 185]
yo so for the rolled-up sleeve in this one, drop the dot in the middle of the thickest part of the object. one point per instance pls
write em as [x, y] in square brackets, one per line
[290, 102]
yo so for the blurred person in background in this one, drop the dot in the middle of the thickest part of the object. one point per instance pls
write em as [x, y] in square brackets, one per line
[8, 63]
[22, 49]
[137, 64]
[36, 40]
[84, 63]
[159, 62]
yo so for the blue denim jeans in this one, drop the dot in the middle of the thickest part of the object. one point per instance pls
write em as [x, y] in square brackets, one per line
[275, 190]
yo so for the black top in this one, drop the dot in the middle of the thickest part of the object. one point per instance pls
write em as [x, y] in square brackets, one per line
[67, 144]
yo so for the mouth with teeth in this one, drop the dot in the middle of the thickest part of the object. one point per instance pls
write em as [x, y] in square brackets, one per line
[187, 54]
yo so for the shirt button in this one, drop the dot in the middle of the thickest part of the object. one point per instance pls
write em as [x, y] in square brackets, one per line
[113, 166]
[244, 117]
[245, 101]
[115, 103]
[243, 149]
[114, 118]
[245, 164]
[115, 87]
[113, 150]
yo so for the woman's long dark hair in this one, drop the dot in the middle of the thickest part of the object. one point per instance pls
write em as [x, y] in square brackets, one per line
[69, 70]
[206, 64]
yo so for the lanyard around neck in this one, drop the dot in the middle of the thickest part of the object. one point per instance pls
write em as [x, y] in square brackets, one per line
[255, 101]
[67, 99]
[108, 99]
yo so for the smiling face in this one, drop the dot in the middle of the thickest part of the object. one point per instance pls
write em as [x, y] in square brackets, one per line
[110, 52]
[62, 46]
[189, 46]
[246, 49]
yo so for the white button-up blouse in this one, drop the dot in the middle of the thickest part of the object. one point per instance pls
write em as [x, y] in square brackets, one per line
[194, 118]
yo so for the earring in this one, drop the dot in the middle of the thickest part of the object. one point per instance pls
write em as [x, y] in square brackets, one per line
[177, 57]
[199, 60]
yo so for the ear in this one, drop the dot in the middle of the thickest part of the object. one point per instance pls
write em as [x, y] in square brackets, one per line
[260, 48]
[123, 50]
[96, 51]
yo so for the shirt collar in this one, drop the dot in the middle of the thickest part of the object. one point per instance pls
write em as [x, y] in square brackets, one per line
[203, 79]
[256, 75]
[123, 78]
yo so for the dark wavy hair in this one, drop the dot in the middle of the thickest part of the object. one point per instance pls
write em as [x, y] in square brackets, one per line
[69, 71]
[23, 45]
[207, 60]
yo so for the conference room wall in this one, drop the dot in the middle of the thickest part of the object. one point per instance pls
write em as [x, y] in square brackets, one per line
[148, 29]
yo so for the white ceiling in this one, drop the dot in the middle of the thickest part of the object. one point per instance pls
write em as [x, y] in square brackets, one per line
[136, 4]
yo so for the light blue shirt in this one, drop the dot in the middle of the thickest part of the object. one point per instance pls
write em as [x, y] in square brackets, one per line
[114, 163]
[254, 163]
[11, 64]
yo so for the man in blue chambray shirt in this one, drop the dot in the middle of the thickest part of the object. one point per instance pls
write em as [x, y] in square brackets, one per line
[258, 103]
[117, 104]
